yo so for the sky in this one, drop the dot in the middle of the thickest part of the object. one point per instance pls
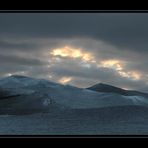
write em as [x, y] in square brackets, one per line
[79, 49]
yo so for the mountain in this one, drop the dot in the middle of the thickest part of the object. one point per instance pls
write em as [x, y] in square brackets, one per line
[21, 94]
[30, 106]
[112, 89]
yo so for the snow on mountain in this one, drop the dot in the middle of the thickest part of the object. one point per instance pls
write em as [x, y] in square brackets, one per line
[16, 81]
[30, 106]
[36, 95]
[137, 100]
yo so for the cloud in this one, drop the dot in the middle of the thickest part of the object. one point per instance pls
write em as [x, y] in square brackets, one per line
[16, 45]
[10, 59]
[79, 48]
[59, 62]
[73, 53]
[128, 30]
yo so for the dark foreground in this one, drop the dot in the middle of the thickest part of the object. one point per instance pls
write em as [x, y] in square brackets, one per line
[129, 120]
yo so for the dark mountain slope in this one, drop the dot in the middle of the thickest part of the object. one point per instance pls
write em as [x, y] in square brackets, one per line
[112, 89]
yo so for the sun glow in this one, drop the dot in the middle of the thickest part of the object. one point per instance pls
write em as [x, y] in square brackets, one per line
[73, 53]
[88, 60]
[65, 80]
[115, 64]
[131, 74]
[119, 67]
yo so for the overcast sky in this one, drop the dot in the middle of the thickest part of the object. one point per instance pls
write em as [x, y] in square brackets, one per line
[79, 49]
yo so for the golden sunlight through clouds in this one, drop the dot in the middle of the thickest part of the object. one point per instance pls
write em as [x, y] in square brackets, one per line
[131, 74]
[115, 64]
[65, 80]
[119, 67]
[87, 57]
[73, 53]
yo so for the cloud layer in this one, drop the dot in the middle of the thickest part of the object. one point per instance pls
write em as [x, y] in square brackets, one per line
[80, 49]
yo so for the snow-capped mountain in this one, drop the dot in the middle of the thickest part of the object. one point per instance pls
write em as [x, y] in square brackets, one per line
[21, 94]
[37, 106]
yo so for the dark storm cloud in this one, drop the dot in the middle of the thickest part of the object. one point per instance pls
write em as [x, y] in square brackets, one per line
[102, 73]
[10, 59]
[7, 45]
[51, 25]
[128, 30]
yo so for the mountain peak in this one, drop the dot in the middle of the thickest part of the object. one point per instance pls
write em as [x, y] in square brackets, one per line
[18, 76]
[105, 85]
[102, 87]
[106, 88]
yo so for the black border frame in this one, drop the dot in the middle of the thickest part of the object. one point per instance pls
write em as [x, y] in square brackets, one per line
[14, 10]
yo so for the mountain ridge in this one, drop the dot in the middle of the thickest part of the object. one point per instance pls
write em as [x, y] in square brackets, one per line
[102, 87]
[25, 94]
